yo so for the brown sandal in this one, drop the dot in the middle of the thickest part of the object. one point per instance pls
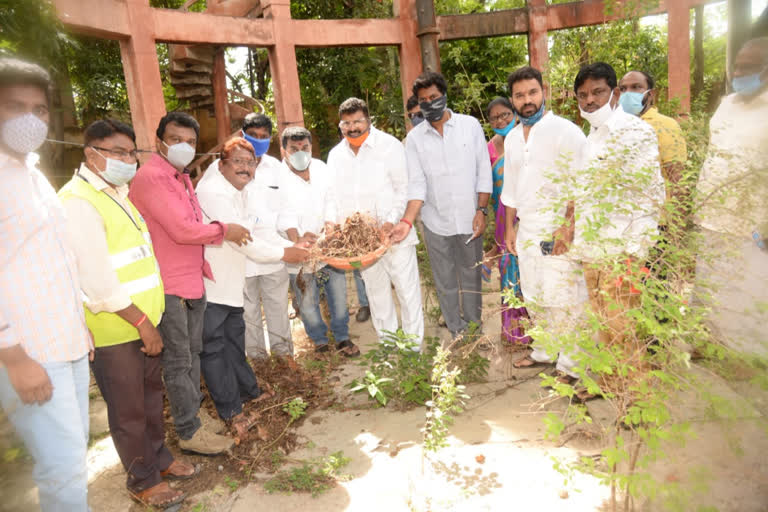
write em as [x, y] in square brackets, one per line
[529, 363]
[179, 470]
[243, 422]
[160, 495]
[348, 349]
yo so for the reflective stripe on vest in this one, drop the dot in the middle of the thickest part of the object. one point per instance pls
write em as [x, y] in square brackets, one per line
[125, 258]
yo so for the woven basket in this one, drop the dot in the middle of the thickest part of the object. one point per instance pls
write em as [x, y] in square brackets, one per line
[357, 262]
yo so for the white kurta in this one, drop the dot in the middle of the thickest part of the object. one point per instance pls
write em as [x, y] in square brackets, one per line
[621, 170]
[375, 181]
[531, 170]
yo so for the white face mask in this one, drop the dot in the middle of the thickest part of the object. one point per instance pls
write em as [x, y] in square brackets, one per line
[117, 172]
[300, 160]
[599, 117]
[180, 155]
[24, 134]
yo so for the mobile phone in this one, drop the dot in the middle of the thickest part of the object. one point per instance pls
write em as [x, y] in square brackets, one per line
[546, 247]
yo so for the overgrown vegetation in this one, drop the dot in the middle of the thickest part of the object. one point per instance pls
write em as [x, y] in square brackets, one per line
[313, 476]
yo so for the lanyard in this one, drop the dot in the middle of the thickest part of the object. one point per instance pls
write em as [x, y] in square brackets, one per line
[114, 201]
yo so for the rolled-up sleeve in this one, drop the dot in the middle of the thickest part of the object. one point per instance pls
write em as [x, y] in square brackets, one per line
[417, 180]
[98, 280]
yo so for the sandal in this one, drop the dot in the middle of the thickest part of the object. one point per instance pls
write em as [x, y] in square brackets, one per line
[348, 349]
[160, 495]
[527, 362]
[321, 349]
[242, 423]
[179, 470]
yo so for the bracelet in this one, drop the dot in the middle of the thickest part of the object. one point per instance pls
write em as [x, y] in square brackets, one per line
[141, 321]
[407, 222]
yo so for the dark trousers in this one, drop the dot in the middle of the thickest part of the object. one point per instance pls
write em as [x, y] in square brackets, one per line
[229, 377]
[182, 332]
[132, 386]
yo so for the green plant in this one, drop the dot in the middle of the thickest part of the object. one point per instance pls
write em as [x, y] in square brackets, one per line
[231, 483]
[313, 476]
[374, 386]
[448, 398]
[295, 408]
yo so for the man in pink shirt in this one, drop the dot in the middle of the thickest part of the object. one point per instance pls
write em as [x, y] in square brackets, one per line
[165, 197]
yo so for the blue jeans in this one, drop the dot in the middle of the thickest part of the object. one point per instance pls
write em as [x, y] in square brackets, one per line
[334, 283]
[362, 297]
[56, 434]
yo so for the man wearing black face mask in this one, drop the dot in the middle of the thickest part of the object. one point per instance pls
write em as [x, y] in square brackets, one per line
[449, 174]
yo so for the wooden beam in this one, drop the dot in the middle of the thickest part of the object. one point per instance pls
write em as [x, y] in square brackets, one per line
[359, 32]
[679, 54]
[179, 27]
[487, 24]
[109, 20]
[409, 49]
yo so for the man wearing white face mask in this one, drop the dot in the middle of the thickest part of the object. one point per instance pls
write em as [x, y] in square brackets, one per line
[620, 197]
[44, 340]
[124, 300]
[165, 197]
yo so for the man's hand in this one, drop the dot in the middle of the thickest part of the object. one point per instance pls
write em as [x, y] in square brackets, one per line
[237, 234]
[30, 380]
[150, 336]
[386, 231]
[399, 232]
[510, 239]
[295, 254]
[563, 238]
[309, 238]
[91, 350]
[478, 224]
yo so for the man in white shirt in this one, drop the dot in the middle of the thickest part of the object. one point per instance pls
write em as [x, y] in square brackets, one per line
[620, 197]
[309, 185]
[449, 174]
[537, 151]
[372, 178]
[266, 284]
[224, 195]
[731, 214]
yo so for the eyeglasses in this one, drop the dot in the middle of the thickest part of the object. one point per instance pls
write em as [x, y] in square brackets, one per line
[415, 115]
[357, 123]
[119, 153]
[250, 164]
[501, 117]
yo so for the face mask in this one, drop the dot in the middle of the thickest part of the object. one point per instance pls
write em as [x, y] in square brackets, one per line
[599, 116]
[24, 134]
[433, 110]
[748, 85]
[632, 102]
[417, 120]
[300, 160]
[117, 172]
[504, 131]
[260, 146]
[530, 121]
[357, 141]
[179, 155]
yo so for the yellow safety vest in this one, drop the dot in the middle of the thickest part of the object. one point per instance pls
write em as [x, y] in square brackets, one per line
[133, 260]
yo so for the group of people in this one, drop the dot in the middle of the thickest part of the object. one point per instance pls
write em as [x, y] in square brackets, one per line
[158, 282]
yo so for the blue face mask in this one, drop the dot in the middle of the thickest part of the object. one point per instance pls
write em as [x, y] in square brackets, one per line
[530, 121]
[504, 131]
[260, 146]
[632, 102]
[747, 85]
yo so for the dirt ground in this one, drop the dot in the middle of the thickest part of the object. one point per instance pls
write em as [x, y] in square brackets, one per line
[498, 457]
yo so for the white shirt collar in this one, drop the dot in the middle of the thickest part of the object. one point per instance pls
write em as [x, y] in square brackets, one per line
[97, 182]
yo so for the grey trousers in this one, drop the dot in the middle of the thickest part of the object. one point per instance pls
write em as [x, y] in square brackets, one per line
[456, 270]
[270, 292]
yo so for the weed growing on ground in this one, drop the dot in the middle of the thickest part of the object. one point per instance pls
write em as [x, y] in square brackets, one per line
[313, 476]
[448, 398]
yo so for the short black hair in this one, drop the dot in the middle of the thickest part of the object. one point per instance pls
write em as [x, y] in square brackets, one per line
[428, 79]
[595, 71]
[257, 120]
[103, 128]
[180, 118]
[499, 100]
[352, 105]
[649, 79]
[412, 102]
[524, 73]
[15, 72]
[295, 133]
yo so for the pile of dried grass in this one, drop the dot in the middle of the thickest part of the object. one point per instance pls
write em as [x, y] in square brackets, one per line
[358, 236]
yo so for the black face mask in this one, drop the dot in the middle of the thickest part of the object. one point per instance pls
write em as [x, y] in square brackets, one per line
[433, 110]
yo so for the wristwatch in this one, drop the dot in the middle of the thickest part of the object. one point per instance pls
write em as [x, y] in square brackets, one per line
[483, 209]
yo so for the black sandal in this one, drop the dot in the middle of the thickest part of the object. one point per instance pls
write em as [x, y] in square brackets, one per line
[348, 349]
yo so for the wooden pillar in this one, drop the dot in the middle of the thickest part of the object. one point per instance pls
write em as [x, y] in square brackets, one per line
[698, 51]
[679, 53]
[220, 96]
[428, 34]
[283, 66]
[142, 74]
[739, 28]
[538, 48]
[410, 47]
